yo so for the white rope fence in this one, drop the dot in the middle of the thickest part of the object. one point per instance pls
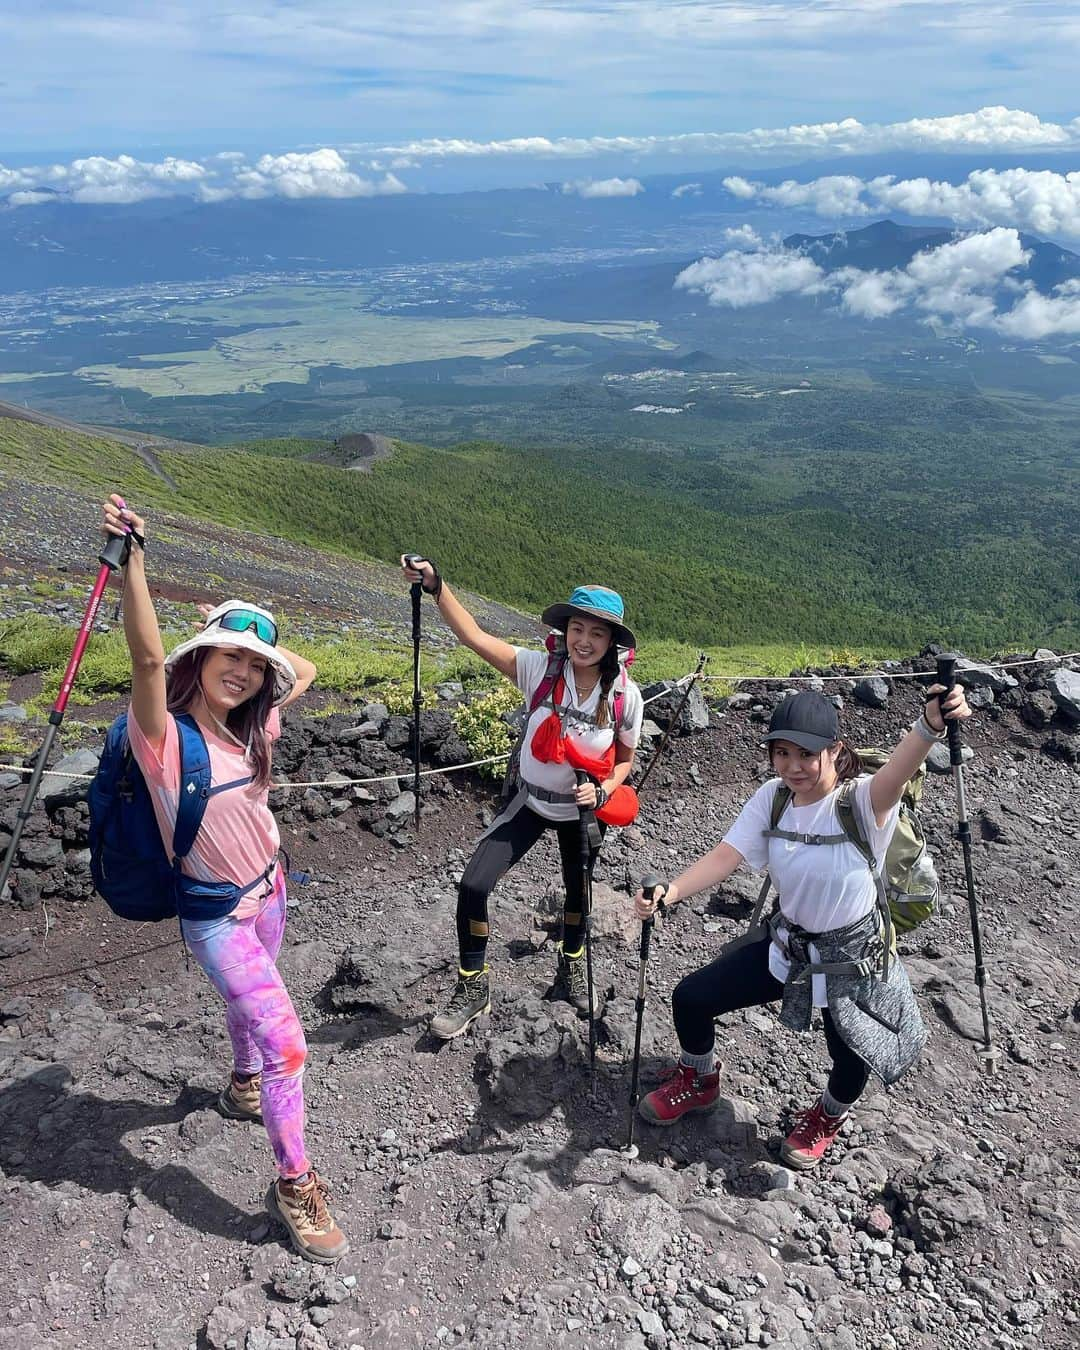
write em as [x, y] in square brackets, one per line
[675, 684]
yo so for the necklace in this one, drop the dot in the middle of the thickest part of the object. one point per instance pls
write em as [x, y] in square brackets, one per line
[581, 694]
[224, 731]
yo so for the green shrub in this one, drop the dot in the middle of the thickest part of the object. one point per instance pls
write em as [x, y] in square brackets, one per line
[480, 725]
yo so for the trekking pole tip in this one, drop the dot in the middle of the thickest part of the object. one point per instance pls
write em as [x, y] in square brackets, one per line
[631, 1152]
[990, 1056]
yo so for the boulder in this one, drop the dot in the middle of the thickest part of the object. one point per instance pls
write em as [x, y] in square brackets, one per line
[974, 675]
[397, 733]
[937, 761]
[1037, 709]
[873, 692]
[1064, 686]
[55, 788]
[668, 694]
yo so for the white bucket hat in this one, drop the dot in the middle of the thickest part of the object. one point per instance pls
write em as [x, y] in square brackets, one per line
[244, 635]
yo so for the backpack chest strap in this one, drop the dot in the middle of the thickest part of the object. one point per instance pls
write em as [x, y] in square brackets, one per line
[795, 837]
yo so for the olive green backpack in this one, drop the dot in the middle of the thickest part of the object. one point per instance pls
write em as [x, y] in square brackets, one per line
[908, 888]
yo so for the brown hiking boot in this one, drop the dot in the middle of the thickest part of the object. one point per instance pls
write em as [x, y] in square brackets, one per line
[470, 999]
[240, 1101]
[572, 981]
[301, 1207]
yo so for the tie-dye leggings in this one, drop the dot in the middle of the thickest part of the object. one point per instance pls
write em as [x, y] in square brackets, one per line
[239, 956]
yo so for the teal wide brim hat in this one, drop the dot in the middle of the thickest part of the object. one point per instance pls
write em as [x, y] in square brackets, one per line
[592, 602]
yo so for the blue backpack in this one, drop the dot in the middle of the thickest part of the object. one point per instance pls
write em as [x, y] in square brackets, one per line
[132, 870]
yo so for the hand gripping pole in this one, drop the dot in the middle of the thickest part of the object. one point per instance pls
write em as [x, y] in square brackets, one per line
[112, 557]
[649, 885]
[946, 675]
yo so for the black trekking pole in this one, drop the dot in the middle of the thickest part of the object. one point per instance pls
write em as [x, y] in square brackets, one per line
[112, 557]
[692, 680]
[591, 839]
[649, 885]
[416, 594]
[946, 675]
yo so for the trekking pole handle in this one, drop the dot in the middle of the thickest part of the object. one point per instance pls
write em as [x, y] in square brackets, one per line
[115, 553]
[649, 886]
[946, 675]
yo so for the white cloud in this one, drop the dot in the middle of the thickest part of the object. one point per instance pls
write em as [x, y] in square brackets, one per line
[740, 279]
[743, 236]
[124, 179]
[872, 295]
[989, 129]
[1038, 316]
[1033, 199]
[961, 284]
[835, 195]
[604, 187]
[317, 173]
[687, 190]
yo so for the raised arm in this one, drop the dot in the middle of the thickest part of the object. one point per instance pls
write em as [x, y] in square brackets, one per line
[305, 673]
[887, 785]
[140, 628]
[493, 650]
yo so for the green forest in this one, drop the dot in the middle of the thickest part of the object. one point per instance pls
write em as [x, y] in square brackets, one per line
[836, 547]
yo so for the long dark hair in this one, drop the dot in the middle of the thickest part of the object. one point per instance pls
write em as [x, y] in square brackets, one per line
[608, 667]
[847, 762]
[247, 722]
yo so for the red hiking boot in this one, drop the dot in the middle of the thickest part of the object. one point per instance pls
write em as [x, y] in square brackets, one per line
[807, 1143]
[683, 1090]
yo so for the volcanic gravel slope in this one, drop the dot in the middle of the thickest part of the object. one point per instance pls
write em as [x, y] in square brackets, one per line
[481, 1181]
[46, 527]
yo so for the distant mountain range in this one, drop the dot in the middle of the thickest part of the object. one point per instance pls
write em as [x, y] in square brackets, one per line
[886, 245]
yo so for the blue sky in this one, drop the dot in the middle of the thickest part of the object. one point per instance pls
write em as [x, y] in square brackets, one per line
[114, 75]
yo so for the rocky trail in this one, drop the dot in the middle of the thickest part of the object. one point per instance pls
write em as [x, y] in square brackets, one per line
[482, 1182]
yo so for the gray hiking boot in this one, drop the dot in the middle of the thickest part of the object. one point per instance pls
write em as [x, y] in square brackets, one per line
[572, 980]
[471, 997]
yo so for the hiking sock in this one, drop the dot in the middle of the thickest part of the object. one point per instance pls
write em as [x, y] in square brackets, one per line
[573, 932]
[472, 943]
[573, 956]
[301, 1180]
[832, 1106]
[701, 1064]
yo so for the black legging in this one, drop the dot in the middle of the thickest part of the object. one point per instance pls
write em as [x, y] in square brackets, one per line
[494, 856]
[741, 979]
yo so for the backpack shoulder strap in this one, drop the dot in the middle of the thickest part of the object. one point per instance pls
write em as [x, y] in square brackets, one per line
[850, 823]
[781, 797]
[619, 701]
[194, 785]
[852, 827]
[555, 666]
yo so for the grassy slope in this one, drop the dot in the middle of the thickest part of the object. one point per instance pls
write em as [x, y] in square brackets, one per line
[525, 525]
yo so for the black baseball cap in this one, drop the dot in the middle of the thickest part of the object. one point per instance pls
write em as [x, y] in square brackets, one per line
[806, 719]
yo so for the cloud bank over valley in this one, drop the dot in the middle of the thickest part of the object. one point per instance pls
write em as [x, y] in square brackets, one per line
[975, 282]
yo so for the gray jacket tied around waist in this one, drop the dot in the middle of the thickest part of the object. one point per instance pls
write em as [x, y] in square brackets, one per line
[874, 1011]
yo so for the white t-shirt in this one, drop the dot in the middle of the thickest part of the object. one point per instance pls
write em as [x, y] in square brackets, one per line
[531, 668]
[821, 886]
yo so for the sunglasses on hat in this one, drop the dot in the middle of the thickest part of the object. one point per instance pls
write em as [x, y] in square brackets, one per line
[244, 621]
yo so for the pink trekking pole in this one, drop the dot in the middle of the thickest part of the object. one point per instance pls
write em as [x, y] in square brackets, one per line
[112, 557]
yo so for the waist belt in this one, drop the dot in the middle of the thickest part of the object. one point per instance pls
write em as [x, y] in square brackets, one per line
[544, 795]
[795, 946]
